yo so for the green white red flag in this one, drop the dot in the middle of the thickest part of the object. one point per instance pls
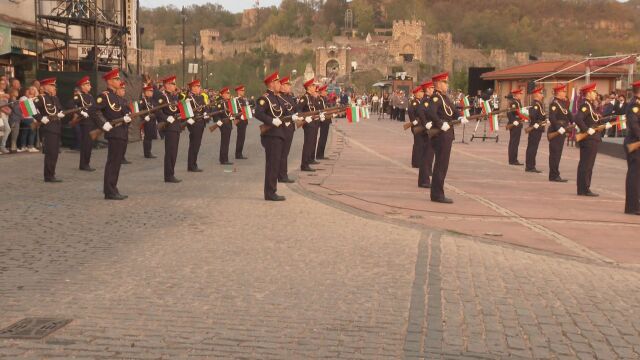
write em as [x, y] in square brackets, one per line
[186, 111]
[622, 122]
[493, 119]
[28, 108]
[466, 105]
[232, 105]
[246, 112]
[353, 114]
[134, 106]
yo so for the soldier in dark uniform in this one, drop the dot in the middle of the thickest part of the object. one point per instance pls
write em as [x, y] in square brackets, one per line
[426, 118]
[85, 100]
[309, 102]
[559, 118]
[537, 118]
[224, 122]
[170, 115]
[196, 128]
[121, 92]
[241, 128]
[444, 112]
[632, 200]
[586, 119]
[289, 103]
[150, 125]
[418, 139]
[324, 124]
[515, 104]
[269, 110]
[109, 107]
[50, 114]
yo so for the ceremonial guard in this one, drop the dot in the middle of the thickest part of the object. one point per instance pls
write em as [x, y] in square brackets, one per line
[241, 127]
[426, 118]
[418, 138]
[224, 121]
[559, 118]
[196, 128]
[515, 126]
[50, 114]
[586, 119]
[632, 200]
[289, 104]
[309, 102]
[171, 115]
[324, 124]
[108, 108]
[150, 125]
[445, 112]
[269, 110]
[121, 92]
[85, 100]
[537, 117]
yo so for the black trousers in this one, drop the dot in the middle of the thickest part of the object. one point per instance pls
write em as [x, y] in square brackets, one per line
[442, 152]
[195, 140]
[588, 152]
[555, 153]
[322, 140]
[309, 144]
[401, 113]
[125, 150]
[225, 139]
[86, 146]
[273, 155]
[418, 148]
[115, 154]
[286, 147]
[514, 143]
[532, 149]
[171, 141]
[426, 161]
[632, 185]
[241, 129]
[51, 149]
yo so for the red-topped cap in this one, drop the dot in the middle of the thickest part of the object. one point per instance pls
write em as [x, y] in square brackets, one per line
[427, 84]
[560, 87]
[224, 90]
[148, 88]
[418, 89]
[48, 81]
[537, 90]
[241, 87]
[113, 74]
[588, 87]
[195, 82]
[84, 80]
[516, 91]
[636, 84]
[323, 87]
[440, 77]
[285, 80]
[271, 78]
[309, 83]
[169, 80]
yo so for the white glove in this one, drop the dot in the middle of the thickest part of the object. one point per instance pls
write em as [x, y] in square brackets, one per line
[308, 119]
[107, 126]
[219, 123]
[276, 122]
[205, 115]
[44, 120]
[536, 126]
[126, 118]
[561, 131]
[60, 115]
[608, 126]
[516, 123]
[322, 117]
[429, 125]
[295, 117]
[463, 120]
[190, 121]
[445, 126]
[147, 118]
[414, 122]
[84, 114]
[591, 131]
[171, 119]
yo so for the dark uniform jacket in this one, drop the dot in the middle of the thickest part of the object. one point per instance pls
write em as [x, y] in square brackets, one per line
[444, 110]
[86, 102]
[289, 104]
[269, 107]
[307, 103]
[587, 118]
[110, 106]
[537, 114]
[49, 106]
[199, 107]
[512, 115]
[171, 110]
[633, 121]
[559, 115]
[226, 115]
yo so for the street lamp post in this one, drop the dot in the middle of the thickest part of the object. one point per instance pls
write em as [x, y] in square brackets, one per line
[184, 23]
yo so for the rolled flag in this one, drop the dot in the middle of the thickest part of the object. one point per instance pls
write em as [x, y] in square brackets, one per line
[186, 111]
[622, 122]
[364, 112]
[246, 112]
[232, 104]
[573, 104]
[493, 119]
[523, 114]
[466, 104]
[353, 114]
[28, 108]
[134, 106]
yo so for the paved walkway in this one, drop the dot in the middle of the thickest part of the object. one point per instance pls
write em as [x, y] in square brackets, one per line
[207, 269]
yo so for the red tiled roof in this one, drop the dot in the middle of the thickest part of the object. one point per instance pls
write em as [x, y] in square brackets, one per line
[542, 68]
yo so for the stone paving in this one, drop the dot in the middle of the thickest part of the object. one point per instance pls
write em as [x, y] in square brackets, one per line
[207, 269]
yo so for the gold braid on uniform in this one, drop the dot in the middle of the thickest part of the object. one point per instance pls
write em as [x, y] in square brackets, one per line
[84, 103]
[447, 108]
[595, 117]
[562, 110]
[272, 107]
[311, 107]
[174, 107]
[114, 107]
[47, 106]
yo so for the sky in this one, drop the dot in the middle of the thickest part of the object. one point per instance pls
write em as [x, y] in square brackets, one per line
[231, 5]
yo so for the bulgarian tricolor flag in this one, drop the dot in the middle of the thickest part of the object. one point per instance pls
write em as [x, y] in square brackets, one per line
[28, 108]
[232, 105]
[134, 106]
[523, 114]
[246, 112]
[186, 111]
[622, 122]
[364, 112]
[493, 119]
[573, 105]
[466, 105]
[353, 114]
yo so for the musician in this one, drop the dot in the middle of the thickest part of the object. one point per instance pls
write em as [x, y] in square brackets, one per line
[426, 118]
[196, 128]
[49, 116]
[223, 120]
[269, 110]
[150, 125]
[418, 138]
[515, 104]
[171, 116]
[83, 99]
[121, 92]
[306, 103]
[241, 127]
[586, 119]
[632, 199]
[289, 104]
[108, 108]
[537, 117]
[444, 112]
[559, 119]
[325, 122]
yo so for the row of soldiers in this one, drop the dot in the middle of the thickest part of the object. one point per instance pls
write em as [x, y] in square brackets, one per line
[558, 121]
